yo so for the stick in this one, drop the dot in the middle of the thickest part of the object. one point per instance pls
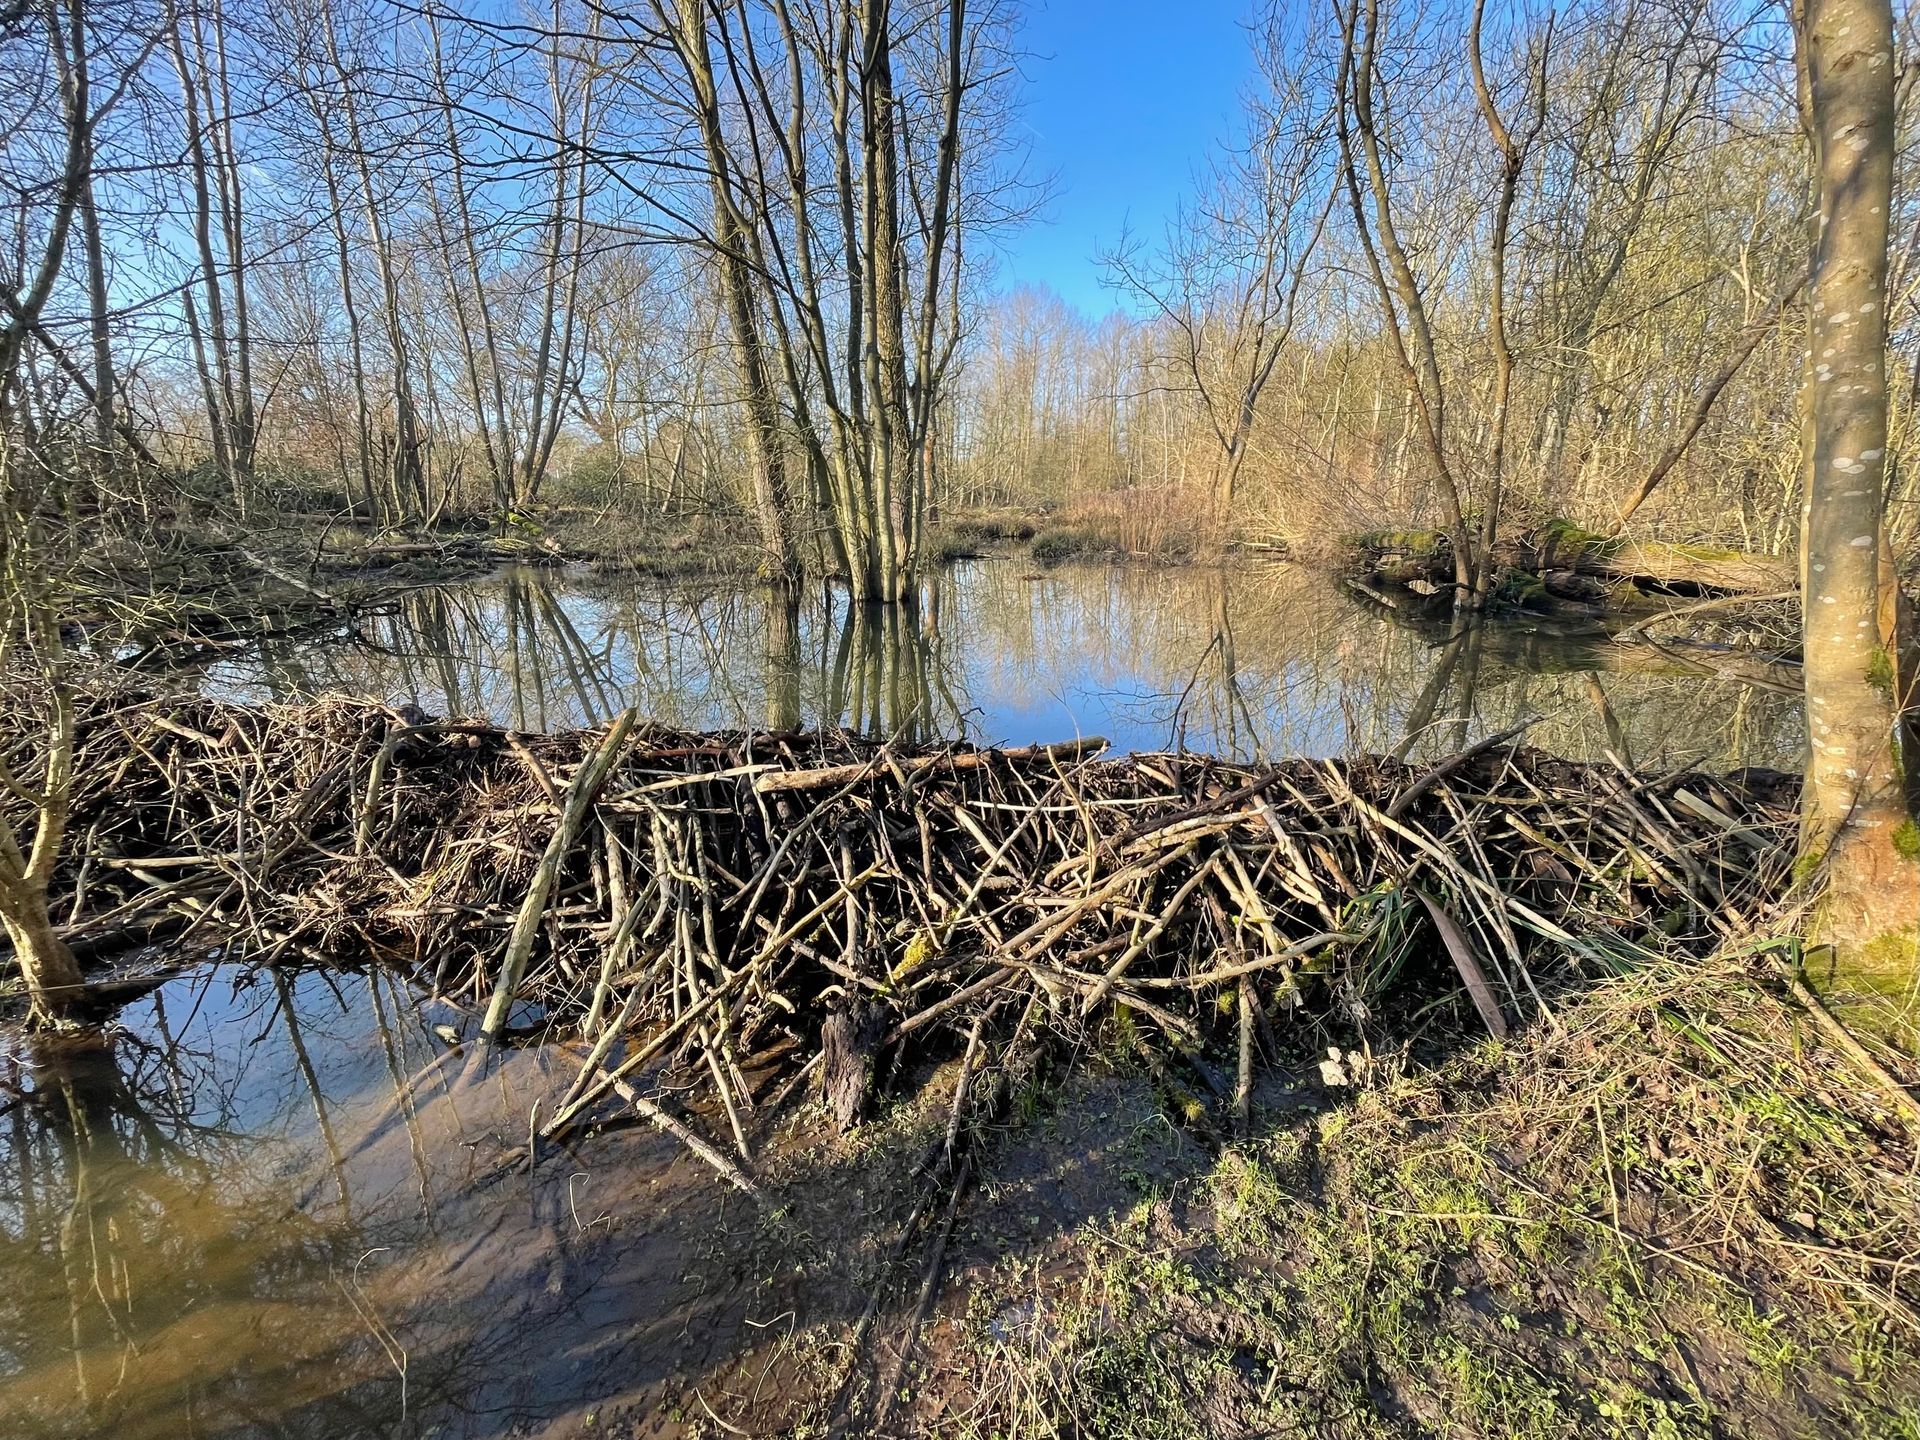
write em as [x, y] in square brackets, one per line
[1467, 963]
[728, 1171]
[962, 760]
[580, 795]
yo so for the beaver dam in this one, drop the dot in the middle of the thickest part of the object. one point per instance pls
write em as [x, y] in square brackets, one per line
[738, 912]
[811, 1053]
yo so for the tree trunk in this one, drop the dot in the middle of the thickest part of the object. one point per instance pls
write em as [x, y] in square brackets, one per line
[52, 975]
[1419, 364]
[1854, 812]
[766, 450]
[26, 864]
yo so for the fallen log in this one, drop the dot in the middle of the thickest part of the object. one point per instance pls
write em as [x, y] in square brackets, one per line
[1656, 563]
[1563, 552]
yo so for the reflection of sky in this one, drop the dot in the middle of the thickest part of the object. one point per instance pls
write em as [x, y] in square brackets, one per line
[228, 1037]
[1245, 663]
[267, 1178]
[211, 1174]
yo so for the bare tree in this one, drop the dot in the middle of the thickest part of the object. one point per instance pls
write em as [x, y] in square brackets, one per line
[839, 198]
[1227, 279]
[1403, 304]
[1513, 149]
[685, 22]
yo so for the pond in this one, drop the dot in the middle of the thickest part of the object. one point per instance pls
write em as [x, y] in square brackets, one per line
[1251, 663]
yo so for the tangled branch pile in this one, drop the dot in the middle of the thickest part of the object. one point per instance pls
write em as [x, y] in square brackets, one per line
[767, 905]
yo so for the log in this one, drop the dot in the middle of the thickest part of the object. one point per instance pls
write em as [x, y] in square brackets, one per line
[1657, 562]
[778, 780]
[580, 796]
[1645, 562]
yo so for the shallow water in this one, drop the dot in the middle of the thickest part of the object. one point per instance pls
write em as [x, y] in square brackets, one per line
[1248, 662]
[281, 1205]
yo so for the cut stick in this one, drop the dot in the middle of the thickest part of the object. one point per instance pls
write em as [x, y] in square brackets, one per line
[585, 785]
[778, 780]
[691, 1138]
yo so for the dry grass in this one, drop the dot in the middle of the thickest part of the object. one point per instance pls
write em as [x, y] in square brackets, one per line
[1154, 522]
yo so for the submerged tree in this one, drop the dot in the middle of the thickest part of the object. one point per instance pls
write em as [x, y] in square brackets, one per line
[847, 148]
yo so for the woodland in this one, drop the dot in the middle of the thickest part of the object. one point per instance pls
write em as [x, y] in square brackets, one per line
[1496, 311]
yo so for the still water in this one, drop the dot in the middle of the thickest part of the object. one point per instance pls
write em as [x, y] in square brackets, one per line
[296, 1204]
[1249, 663]
[283, 1205]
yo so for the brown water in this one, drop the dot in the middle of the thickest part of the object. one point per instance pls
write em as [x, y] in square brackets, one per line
[281, 1205]
[1250, 662]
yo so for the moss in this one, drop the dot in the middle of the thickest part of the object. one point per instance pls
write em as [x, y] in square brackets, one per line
[1565, 539]
[1880, 670]
[1522, 590]
[1807, 865]
[1706, 553]
[1906, 840]
[1423, 543]
[1888, 963]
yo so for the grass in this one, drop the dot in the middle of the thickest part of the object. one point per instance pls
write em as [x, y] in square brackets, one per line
[981, 528]
[1677, 1216]
[1147, 522]
[1070, 542]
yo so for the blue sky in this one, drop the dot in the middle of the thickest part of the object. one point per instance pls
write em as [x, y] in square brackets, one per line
[1123, 98]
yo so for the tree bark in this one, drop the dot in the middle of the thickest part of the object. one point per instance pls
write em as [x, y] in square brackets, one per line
[47, 966]
[766, 451]
[1854, 811]
[51, 974]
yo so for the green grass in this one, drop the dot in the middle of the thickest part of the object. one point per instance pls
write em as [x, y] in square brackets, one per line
[1573, 1235]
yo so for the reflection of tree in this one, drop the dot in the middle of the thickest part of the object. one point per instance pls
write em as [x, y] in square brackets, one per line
[1456, 668]
[783, 658]
[888, 667]
[129, 1263]
[1249, 663]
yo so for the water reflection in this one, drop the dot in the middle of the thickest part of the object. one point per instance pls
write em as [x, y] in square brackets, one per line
[1249, 663]
[284, 1205]
[142, 1233]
